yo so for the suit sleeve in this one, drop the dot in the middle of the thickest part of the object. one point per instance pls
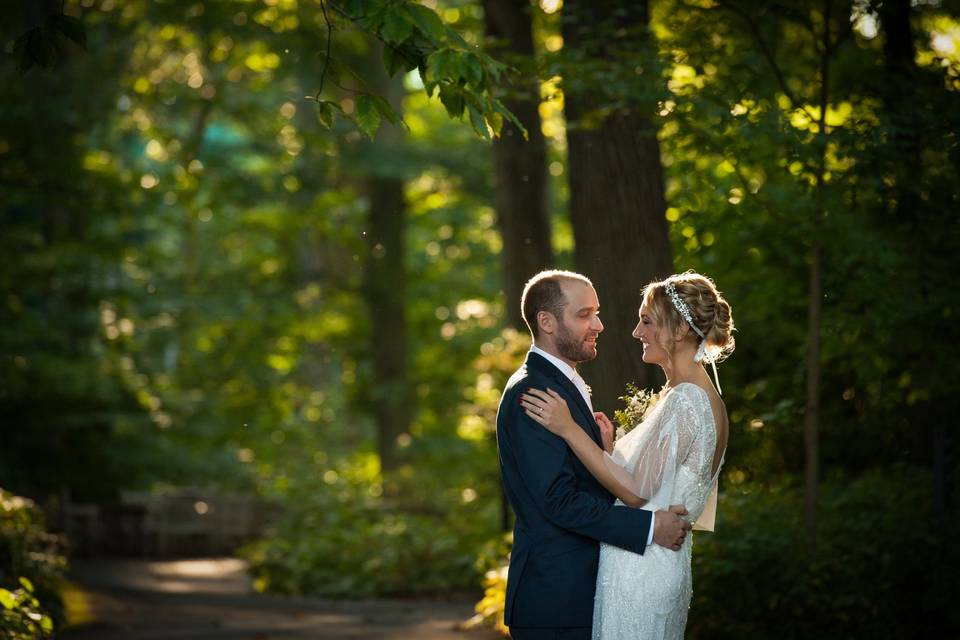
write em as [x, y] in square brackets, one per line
[546, 466]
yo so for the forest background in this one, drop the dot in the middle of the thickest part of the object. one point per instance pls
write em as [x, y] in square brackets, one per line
[230, 265]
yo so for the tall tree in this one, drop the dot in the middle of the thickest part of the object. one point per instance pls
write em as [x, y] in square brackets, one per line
[385, 285]
[828, 24]
[617, 203]
[520, 169]
[914, 164]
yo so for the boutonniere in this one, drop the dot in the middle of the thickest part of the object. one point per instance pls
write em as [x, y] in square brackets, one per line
[589, 390]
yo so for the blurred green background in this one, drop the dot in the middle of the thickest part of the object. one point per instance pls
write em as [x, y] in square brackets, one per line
[220, 273]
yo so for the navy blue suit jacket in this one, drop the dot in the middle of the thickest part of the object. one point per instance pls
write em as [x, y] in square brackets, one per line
[562, 511]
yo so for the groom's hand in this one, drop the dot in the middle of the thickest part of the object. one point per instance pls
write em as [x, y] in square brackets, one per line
[669, 530]
[607, 430]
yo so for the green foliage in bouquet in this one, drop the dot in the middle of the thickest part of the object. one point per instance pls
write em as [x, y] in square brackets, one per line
[638, 403]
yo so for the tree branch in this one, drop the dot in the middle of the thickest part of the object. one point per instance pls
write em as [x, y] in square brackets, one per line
[767, 53]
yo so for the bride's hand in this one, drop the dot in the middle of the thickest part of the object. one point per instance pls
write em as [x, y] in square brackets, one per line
[549, 409]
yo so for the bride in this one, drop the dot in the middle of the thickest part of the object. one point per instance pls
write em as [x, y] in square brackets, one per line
[672, 457]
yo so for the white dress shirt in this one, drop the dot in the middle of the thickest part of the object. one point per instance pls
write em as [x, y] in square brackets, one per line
[568, 371]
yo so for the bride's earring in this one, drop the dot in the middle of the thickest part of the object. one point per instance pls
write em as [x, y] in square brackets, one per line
[701, 352]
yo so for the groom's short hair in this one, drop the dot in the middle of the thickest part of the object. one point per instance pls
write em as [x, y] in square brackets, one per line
[544, 293]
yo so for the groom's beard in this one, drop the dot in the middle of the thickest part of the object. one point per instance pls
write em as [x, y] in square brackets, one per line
[573, 349]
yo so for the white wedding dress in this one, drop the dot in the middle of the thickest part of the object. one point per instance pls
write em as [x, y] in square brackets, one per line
[668, 459]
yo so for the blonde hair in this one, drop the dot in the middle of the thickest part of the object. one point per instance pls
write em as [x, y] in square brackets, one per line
[711, 313]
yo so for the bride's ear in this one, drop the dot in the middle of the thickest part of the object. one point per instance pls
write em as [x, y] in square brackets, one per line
[681, 333]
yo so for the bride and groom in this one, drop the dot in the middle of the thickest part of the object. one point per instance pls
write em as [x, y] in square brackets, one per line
[586, 561]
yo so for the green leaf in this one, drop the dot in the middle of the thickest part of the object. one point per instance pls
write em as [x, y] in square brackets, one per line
[46, 624]
[495, 120]
[70, 27]
[471, 69]
[325, 113]
[506, 113]
[385, 110]
[442, 65]
[26, 584]
[397, 24]
[452, 100]
[392, 60]
[457, 39]
[367, 115]
[7, 599]
[372, 21]
[478, 122]
[428, 22]
[429, 85]
[493, 67]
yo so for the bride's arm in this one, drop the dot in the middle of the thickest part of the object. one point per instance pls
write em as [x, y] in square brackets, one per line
[550, 410]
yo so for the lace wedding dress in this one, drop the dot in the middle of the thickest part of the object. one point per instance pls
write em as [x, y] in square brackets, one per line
[668, 459]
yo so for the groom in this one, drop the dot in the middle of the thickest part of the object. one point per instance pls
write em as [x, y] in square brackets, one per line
[562, 511]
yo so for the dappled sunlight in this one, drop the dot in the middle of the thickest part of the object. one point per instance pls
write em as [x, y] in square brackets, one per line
[233, 273]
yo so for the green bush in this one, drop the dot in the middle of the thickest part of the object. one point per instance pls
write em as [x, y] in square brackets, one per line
[349, 546]
[879, 568]
[21, 617]
[31, 569]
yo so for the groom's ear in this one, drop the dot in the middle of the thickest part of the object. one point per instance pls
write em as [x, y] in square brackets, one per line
[546, 322]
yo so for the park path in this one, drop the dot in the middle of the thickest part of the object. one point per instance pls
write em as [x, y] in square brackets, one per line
[211, 599]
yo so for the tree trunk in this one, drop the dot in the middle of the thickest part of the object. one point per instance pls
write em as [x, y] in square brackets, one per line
[519, 164]
[385, 294]
[385, 278]
[912, 215]
[811, 419]
[617, 204]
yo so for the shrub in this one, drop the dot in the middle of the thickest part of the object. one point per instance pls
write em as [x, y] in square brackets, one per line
[342, 547]
[873, 572]
[31, 569]
[880, 568]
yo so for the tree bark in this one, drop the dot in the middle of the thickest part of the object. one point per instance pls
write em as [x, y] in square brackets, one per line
[385, 286]
[811, 418]
[519, 164]
[385, 294]
[617, 204]
[913, 214]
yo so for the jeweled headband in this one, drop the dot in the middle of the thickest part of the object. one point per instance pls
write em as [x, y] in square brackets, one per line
[682, 308]
[704, 353]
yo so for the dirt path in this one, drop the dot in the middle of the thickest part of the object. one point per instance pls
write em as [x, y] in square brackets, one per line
[212, 600]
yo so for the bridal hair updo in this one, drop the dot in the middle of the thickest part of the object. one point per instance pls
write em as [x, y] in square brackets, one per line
[711, 313]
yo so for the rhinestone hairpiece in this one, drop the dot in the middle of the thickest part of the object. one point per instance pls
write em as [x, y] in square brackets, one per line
[682, 308]
[704, 353]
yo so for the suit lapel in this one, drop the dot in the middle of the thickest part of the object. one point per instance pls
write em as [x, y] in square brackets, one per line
[585, 420]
